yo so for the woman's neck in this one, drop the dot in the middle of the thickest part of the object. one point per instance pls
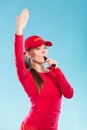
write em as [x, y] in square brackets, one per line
[39, 67]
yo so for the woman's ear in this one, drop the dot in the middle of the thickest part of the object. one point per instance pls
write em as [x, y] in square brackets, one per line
[27, 54]
[27, 60]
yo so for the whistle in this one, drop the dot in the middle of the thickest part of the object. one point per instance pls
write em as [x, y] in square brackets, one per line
[53, 65]
[45, 58]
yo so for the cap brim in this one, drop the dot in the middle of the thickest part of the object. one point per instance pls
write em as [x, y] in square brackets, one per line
[48, 43]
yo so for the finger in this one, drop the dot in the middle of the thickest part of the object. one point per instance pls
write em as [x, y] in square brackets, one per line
[24, 13]
[17, 18]
[48, 60]
[51, 62]
[25, 17]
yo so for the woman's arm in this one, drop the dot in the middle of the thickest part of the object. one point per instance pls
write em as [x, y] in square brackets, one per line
[22, 72]
[65, 86]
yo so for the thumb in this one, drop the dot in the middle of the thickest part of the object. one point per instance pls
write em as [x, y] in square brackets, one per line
[17, 18]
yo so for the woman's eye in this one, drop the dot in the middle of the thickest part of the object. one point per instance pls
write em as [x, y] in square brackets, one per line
[45, 47]
[38, 48]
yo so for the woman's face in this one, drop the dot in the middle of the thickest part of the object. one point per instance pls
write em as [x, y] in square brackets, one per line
[37, 54]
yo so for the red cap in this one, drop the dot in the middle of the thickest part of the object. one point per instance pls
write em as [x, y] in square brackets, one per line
[34, 42]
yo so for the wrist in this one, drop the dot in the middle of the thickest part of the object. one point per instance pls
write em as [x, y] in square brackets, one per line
[19, 31]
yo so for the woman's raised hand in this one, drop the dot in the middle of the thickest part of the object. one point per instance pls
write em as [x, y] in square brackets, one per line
[22, 21]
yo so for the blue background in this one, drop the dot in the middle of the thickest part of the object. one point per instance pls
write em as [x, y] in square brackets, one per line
[63, 22]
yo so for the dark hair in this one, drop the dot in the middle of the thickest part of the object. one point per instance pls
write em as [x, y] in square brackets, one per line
[37, 78]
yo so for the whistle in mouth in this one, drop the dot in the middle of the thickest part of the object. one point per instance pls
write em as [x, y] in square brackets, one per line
[45, 58]
[53, 65]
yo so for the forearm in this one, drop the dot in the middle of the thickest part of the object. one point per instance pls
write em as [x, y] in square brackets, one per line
[65, 86]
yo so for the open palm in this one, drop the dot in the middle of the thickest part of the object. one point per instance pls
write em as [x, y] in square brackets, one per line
[22, 20]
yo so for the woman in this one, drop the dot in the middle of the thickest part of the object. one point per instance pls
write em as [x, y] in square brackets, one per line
[44, 86]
